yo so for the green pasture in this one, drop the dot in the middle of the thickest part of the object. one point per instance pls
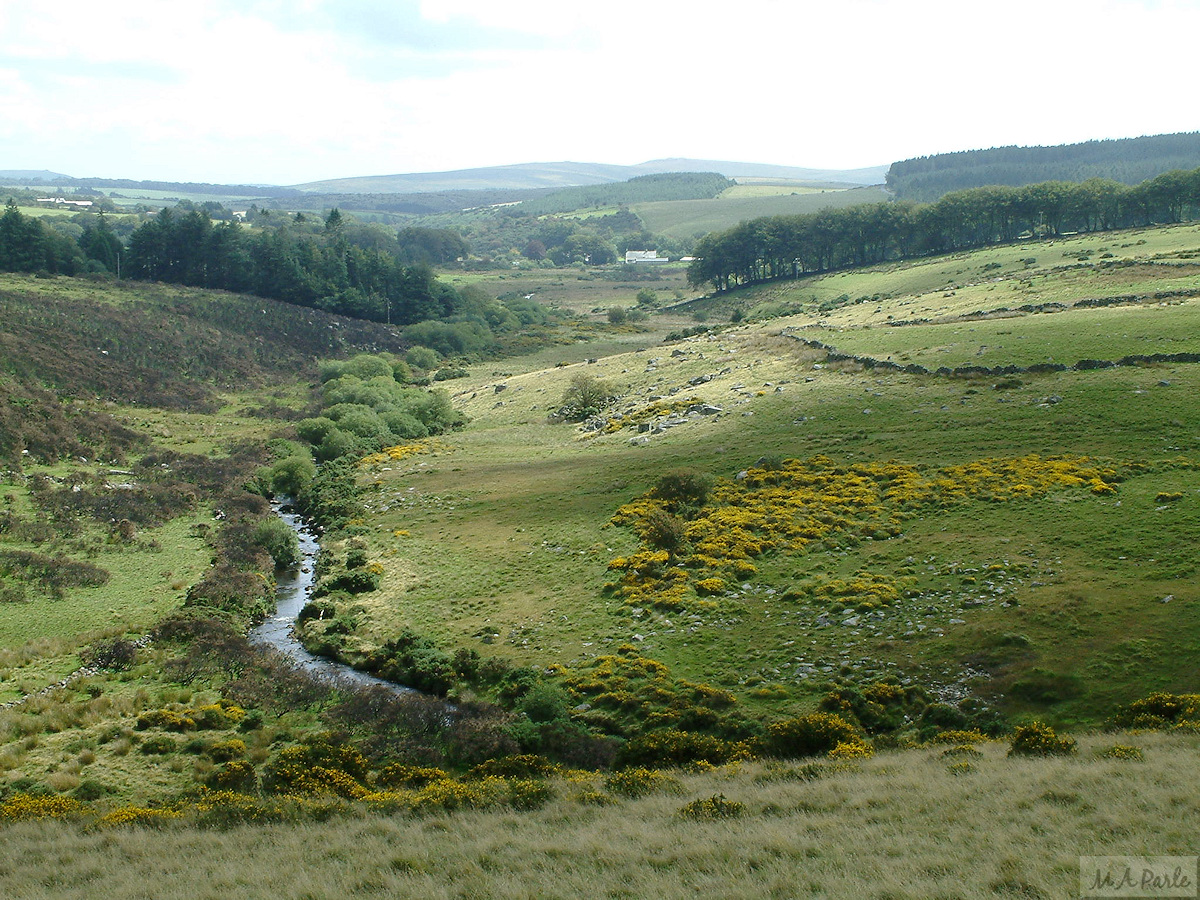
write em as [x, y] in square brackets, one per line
[504, 540]
[1064, 270]
[147, 580]
[689, 218]
[131, 196]
[580, 290]
[767, 188]
[1024, 340]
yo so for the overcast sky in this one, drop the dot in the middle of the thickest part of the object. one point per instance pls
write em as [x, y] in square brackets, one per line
[289, 91]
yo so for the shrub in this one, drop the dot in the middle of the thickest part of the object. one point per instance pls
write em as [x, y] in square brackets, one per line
[398, 775]
[139, 816]
[276, 537]
[165, 718]
[683, 489]
[158, 744]
[714, 807]
[422, 358]
[451, 338]
[963, 750]
[291, 476]
[1159, 710]
[90, 789]
[664, 531]
[357, 581]
[1039, 739]
[236, 775]
[526, 794]
[668, 748]
[22, 807]
[810, 735]
[1121, 751]
[853, 749]
[415, 661]
[640, 782]
[321, 766]
[117, 654]
[225, 751]
[526, 765]
[585, 396]
[314, 430]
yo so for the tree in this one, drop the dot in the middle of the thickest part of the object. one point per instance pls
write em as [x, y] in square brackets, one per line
[334, 222]
[585, 396]
[100, 244]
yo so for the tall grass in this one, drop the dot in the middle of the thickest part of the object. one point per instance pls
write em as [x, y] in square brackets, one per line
[909, 824]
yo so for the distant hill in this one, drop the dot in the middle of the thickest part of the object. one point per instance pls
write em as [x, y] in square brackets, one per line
[32, 175]
[1129, 161]
[528, 176]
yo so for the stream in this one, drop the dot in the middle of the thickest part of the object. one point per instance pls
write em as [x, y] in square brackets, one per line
[293, 587]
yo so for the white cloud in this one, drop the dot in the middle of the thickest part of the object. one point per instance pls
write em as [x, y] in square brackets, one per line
[267, 90]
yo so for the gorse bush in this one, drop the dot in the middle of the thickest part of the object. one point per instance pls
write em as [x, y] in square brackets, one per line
[1124, 751]
[640, 782]
[1159, 710]
[1039, 739]
[790, 506]
[715, 807]
[814, 734]
[669, 748]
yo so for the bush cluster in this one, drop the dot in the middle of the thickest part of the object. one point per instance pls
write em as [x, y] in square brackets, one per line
[715, 807]
[815, 734]
[1160, 710]
[1039, 739]
[713, 533]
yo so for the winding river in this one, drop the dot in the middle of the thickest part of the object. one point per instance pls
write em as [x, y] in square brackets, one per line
[293, 587]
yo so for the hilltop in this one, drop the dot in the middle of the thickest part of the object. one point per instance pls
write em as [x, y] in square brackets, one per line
[528, 176]
[1126, 161]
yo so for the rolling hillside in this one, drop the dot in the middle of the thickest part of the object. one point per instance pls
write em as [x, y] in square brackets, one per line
[784, 612]
[528, 176]
[1128, 161]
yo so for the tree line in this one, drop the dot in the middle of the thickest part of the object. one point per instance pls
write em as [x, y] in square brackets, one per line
[335, 265]
[790, 246]
[1129, 161]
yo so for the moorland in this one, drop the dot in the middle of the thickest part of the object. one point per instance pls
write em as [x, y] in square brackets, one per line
[876, 582]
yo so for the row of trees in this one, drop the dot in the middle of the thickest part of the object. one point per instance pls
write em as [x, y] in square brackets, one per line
[325, 271]
[26, 245]
[337, 267]
[791, 246]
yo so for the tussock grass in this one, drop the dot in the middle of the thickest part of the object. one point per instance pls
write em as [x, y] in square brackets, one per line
[901, 825]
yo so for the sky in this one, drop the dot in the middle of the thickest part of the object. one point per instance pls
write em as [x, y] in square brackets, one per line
[292, 91]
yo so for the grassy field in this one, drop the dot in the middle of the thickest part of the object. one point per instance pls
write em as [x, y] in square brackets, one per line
[748, 187]
[476, 565]
[584, 291]
[689, 218]
[942, 822]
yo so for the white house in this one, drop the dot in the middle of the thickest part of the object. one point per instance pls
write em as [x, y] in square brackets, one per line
[645, 256]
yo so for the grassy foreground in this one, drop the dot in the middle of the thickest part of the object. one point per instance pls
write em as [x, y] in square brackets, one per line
[942, 822]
